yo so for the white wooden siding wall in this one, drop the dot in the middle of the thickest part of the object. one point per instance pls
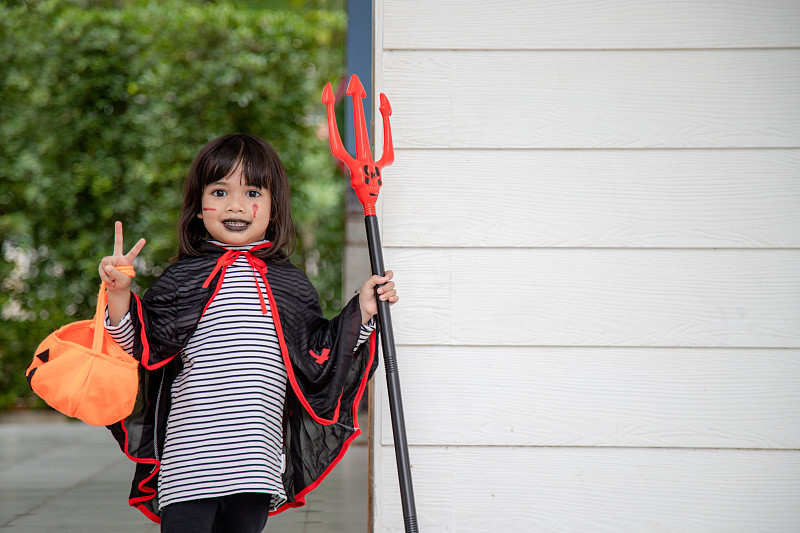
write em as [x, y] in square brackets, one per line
[594, 216]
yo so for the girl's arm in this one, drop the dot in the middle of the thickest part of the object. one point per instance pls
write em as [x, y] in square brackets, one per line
[119, 284]
[366, 296]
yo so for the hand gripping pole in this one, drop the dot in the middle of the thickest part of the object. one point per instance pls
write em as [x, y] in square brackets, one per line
[365, 177]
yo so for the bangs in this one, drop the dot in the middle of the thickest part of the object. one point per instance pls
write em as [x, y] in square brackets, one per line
[258, 170]
[257, 167]
[261, 168]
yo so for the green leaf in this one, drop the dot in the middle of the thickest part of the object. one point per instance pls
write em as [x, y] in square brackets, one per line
[104, 105]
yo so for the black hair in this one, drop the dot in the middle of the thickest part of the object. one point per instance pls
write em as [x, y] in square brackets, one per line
[261, 167]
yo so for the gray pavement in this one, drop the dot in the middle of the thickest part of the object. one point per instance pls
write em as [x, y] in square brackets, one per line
[59, 475]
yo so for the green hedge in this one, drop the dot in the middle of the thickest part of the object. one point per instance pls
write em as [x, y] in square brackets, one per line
[102, 110]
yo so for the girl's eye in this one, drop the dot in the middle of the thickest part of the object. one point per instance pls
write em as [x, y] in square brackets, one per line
[253, 194]
[218, 193]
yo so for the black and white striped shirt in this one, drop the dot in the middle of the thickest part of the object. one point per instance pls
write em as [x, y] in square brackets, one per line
[224, 431]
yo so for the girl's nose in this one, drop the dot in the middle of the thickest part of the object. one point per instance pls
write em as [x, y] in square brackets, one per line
[235, 205]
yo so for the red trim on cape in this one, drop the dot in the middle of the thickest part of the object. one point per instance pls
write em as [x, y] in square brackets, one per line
[224, 268]
[279, 331]
[300, 498]
[137, 502]
[148, 513]
[214, 294]
[290, 369]
[145, 344]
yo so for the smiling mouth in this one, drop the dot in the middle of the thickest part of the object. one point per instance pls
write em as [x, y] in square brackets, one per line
[235, 225]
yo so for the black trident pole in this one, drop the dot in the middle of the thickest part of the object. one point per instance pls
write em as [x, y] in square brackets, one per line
[365, 177]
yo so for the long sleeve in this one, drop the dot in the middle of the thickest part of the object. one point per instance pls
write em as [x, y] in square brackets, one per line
[122, 333]
[366, 331]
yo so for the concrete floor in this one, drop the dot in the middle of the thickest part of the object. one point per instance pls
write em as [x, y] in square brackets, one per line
[57, 475]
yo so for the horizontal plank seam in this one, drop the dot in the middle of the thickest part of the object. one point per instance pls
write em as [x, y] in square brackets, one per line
[607, 346]
[631, 248]
[703, 448]
[602, 49]
[604, 346]
[585, 149]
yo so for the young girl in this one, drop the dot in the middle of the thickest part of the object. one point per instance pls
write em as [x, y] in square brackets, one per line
[248, 396]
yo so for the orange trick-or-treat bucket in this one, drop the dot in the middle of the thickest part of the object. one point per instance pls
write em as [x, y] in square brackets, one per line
[81, 371]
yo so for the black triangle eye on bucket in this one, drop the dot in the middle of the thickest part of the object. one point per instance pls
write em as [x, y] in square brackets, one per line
[79, 370]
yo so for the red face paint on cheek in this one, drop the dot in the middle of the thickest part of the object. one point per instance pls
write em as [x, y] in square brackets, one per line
[209, 209]
[255, 210]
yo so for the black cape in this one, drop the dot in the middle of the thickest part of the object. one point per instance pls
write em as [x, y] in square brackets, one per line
[326, 379]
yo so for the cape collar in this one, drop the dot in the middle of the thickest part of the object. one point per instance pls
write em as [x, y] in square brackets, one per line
[229, 256]
[215, 247]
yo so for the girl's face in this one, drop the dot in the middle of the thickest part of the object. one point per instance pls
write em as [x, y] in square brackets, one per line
[234, 212]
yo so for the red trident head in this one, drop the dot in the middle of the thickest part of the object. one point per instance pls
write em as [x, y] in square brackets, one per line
[365, 173]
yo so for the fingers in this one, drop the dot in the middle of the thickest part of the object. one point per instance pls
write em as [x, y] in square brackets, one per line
[117, 238]
[113, 277]
[119, 247]
[374, 289]
[102, 269]
[130, 256]
[388, 293]
[379, 280]
[385, 290]
[108, 271]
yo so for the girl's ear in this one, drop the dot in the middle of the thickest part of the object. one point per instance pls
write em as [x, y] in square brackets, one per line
[200, 215]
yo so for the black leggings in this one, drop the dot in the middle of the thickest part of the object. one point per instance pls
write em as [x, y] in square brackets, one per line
[238, 513]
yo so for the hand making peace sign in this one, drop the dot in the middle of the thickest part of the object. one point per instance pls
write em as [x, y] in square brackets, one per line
[116, 280]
